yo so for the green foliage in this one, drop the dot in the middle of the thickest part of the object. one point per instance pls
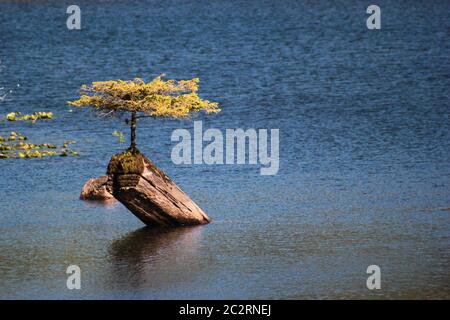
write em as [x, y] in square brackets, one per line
[157, 98]
[119, 135]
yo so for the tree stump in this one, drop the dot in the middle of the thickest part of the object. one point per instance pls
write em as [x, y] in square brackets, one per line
[96, 189]
[149, 193]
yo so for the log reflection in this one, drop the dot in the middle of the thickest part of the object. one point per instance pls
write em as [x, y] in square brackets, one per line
[156, 257]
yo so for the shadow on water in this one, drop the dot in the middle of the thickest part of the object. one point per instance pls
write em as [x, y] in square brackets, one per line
[150, 257]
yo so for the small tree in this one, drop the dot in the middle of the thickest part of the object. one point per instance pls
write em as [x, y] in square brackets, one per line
[157, 98]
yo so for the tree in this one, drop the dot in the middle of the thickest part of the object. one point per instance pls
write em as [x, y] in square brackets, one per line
[157, 98]
[132, 178]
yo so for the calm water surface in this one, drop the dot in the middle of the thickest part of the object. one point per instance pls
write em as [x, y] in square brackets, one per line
[364, 150]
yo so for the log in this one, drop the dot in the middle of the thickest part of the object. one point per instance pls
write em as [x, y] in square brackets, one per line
[96, 189]
[149, 193]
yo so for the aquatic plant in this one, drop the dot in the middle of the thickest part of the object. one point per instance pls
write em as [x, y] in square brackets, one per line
[17, 116]
[14, 146]
[119, 135]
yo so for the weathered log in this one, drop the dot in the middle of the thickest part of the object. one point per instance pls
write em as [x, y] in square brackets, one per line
[149, 193]
[96, 189]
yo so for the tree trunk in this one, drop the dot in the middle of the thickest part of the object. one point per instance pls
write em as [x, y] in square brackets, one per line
[133, 131]
[150, 194]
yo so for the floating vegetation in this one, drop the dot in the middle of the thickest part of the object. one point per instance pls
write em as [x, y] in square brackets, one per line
[17, 116]
[36, 154]
[14, 146]
[119, 135]
[13, 136]
[67, 142]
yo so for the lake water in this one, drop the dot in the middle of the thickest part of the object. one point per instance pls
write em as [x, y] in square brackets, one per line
[364, 173]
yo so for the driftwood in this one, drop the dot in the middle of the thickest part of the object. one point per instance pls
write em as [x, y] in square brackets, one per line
[96, 189]
[149, 193]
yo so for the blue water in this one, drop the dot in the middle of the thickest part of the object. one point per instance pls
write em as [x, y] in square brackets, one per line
[364, 150]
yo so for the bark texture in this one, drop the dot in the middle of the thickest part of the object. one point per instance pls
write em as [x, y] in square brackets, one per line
[96, 189]
[149, 193]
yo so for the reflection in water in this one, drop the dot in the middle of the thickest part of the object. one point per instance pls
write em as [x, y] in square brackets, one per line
[150, 257]
[110, 203]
